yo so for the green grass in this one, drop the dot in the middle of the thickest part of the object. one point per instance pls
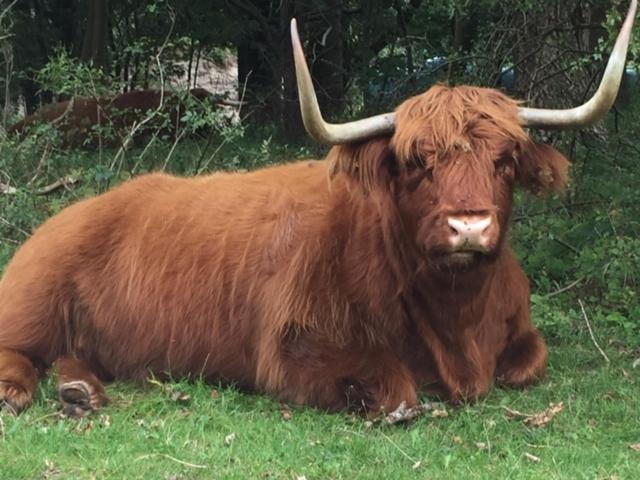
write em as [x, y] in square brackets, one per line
[144, 433]
[588, 241]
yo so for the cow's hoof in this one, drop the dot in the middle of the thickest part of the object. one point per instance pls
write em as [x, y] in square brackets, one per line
[13, 398]
[78, 400]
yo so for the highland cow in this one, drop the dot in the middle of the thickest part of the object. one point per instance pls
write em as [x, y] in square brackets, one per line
[353, 282]
[88, 120]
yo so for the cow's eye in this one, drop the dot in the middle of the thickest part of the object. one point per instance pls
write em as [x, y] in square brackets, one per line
[505, 167]
[428, 173]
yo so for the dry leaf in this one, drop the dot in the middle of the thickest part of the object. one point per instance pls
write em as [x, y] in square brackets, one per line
[636, 363]
[533, 458]
[404, 413]
[301, 477]
[228, 440]
[437, 413]
[417, 465]
[457, 440]
[481, 445]
[180, 397]
[84, 427]
[635, 447]
[540, 419]
[214, 394]
[51, 471]
[105, 420]
[285, 412]
[543, 418]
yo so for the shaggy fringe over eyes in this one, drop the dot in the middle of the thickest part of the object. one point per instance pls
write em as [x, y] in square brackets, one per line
[441, 123]
[444, 118]
[368, 163]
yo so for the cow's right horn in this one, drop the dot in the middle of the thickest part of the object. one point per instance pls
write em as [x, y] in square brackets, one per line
[320, 130]
[601, 102]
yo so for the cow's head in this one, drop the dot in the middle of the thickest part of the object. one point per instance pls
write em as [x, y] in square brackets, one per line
[451, 156]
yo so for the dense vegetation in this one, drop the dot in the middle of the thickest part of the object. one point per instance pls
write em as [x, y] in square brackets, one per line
[581, 249]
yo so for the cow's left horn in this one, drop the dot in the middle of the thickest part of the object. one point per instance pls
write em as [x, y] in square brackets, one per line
[320, 130]
[597, 107]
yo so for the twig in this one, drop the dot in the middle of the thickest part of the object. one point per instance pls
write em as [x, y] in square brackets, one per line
[7, 189]
[593, 338]
[136, 126]
[173, 147]
[406, 455]
[181, 462]
[567, 245]
[9, 224]
[65, 182]
[564, 289]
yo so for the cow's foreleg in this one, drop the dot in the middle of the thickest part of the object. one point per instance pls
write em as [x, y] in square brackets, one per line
[80, 391]
[524, 361]
[18, 381]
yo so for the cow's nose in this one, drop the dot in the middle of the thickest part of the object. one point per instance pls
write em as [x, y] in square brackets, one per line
[470, 232]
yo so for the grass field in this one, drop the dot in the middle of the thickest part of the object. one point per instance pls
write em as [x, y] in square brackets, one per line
[585, 248]
[199, 431]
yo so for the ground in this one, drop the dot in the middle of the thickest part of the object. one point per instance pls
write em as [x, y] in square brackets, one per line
[193, 431]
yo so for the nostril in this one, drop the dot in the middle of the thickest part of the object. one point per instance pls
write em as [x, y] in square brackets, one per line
[453, 230]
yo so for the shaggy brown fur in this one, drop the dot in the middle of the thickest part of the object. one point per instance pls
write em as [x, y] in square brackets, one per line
[333, 294]
[75, 119]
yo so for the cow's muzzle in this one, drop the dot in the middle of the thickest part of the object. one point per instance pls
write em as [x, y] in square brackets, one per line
[472, 233]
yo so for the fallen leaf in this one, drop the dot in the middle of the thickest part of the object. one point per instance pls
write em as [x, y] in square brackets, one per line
[457, 440]
[533, 458]
[105, 420]
[285, 412]
[481, 445]
[437, 413]
[51, 471]
[636, 363]
[540, 419]
[214, 394]
[543, 418]
[635, 447]
[301, 477]
[417, 465]
[404, 413]
[84, 427]
[156, 382]
[180, 397]
[228, 440]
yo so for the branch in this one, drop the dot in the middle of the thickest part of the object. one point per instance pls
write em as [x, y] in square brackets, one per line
[66, 182]
[593, 338]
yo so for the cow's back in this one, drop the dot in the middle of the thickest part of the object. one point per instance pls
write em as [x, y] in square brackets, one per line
[164, 273]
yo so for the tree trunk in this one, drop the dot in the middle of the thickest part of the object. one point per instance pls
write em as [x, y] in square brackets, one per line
[328, 70]
[291, 119]
[94, 46]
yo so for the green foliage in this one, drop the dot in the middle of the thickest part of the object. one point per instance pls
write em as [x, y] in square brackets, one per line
[67, 75]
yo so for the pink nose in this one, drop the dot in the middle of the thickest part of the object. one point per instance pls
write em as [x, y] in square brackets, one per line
[470, 232]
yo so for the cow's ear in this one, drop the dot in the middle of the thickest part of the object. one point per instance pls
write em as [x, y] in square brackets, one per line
[541, 168]
[371, 163]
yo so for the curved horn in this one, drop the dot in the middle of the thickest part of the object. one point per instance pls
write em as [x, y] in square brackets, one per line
[597, 107]
[320, 130]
